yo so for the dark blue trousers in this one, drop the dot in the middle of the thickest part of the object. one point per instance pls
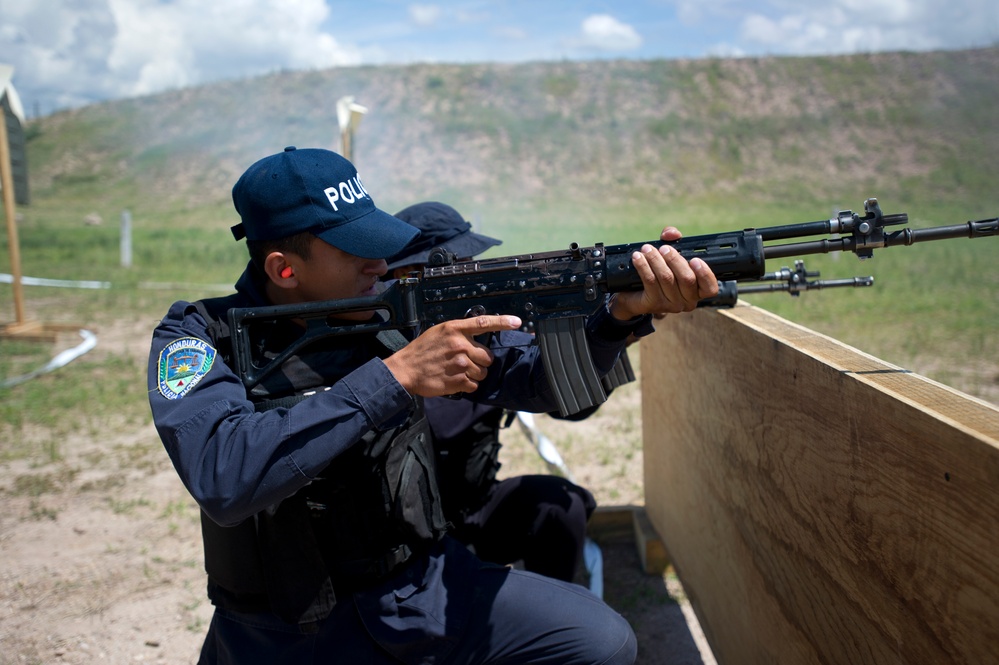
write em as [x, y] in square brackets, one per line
[538, 519]
[446, 608]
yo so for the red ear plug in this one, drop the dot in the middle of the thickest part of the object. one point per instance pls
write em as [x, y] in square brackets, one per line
[287, 272]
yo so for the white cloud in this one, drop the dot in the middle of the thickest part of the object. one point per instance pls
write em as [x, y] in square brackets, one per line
[62, 50]
[725, 50]
[850, 26]
[763, 30]
[892, 11]
[604, 32]
[189, 41]
[424, 15]
[79, 52]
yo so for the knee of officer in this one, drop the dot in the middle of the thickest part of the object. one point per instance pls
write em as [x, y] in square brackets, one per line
[618, 642]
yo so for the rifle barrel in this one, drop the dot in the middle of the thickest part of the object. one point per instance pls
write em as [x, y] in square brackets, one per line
[973, 229]
[806, 286]
[842, 224]
[981, 228]
[796, 230]
[846, 281]
[824, 246]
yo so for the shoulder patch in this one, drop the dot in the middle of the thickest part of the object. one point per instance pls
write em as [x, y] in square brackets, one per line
[182, 364]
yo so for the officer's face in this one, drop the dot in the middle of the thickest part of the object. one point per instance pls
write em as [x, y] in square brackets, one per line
[332, 274]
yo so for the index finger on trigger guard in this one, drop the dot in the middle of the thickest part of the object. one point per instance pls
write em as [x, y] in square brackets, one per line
[493, 323]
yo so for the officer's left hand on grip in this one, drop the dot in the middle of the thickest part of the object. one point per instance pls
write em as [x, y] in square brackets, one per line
[671, 284]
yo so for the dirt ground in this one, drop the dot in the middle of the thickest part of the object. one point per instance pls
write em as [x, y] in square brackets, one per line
[102, 558]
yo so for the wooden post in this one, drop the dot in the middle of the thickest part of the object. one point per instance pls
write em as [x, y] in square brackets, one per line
[349, 116]
[125, 243]
[13, 244]
[22, 328]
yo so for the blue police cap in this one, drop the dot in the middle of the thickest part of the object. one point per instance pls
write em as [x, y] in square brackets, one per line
[318, 191]
[440, 225]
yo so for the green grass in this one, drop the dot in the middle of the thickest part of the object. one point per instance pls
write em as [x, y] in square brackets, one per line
[91, 395]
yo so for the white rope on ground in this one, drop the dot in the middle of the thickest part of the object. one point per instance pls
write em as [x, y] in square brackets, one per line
[6, 278]
[593, 558]
[42, 281]
[184, 286]
[61, 359]
[89, 339]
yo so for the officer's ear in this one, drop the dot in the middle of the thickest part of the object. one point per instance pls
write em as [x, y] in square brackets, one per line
[280, 268]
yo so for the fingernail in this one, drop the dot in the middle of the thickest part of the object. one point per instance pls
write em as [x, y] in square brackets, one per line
[665, 250]
[697, 264]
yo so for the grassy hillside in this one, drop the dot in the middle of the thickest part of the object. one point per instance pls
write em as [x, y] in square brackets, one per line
[543, 154]
[908, 127]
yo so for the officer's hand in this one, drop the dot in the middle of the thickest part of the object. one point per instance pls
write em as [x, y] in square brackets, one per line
[445, 359]
[671, 283]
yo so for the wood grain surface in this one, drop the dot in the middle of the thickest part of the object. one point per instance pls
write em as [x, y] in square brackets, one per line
[820, 505]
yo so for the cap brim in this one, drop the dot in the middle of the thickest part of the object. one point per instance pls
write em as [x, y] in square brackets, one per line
[463, 246]
[376, 235]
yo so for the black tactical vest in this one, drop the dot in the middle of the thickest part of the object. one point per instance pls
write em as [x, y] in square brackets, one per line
[366, 514]
[467, 463]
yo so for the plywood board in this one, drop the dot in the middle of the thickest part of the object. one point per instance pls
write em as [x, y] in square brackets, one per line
[820, 505]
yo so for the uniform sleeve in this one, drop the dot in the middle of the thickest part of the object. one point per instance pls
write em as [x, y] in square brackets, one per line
[233, 460]
[608, 337]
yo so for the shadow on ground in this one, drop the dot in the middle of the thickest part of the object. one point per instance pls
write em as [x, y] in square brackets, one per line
[658, 612]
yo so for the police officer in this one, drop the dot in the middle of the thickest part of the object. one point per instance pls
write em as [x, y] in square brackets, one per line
[323, 535]
[539, 520]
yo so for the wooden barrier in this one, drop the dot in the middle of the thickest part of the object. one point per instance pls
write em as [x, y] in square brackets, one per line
[818, 504]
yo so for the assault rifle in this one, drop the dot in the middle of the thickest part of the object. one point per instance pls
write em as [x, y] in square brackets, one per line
[554, 292]
[792, 281]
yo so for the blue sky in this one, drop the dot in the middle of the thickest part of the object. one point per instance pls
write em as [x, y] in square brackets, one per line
[67, 53]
